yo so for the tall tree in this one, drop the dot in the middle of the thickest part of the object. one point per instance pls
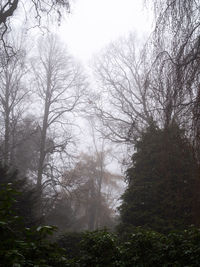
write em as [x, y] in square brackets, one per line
[176, 41]
[163, 185]
[123, 104]
[13, 94]
[60, 87]
[136, 91]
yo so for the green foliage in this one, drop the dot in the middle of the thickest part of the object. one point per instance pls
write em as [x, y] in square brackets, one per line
[61, 215]
[98, 249]
[141, 248]
[25, 200]
[138, 247]
[149, 248]
[20, 246]
[163, 184]
[70, 241]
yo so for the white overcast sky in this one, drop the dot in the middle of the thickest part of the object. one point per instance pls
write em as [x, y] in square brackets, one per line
[95, 23]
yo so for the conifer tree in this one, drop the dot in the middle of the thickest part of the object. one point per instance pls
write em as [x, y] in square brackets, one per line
[163, 184]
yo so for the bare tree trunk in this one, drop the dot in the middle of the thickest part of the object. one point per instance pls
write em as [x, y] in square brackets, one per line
[196, 126]
[6, 137]
[92, 208]
[42, 146]
[6, 119]
[42, 154]
[100, 180]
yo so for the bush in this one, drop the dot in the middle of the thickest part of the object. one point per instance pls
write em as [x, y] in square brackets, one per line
[149, 248]
[98, 249]
[20, 246]
[70, 241]
[140, 247]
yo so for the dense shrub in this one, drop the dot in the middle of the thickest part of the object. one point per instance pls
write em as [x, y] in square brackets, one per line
[70, 241]
[138, 248]
[149, 248]
[21, 246]
[99, 248]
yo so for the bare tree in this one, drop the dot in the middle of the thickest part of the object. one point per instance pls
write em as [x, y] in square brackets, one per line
[138, 89]
[176, 35]
[13, 94]
[60, 86]
[170, 98]
[124, 102]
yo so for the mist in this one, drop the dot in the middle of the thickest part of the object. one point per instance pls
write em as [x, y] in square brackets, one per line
[99, 133]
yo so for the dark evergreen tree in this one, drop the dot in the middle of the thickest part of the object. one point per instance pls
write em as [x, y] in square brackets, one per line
[26, 199]
[61, 215]
[163, 185]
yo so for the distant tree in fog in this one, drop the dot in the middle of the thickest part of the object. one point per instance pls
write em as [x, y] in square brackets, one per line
[91, 202]
[26, 146]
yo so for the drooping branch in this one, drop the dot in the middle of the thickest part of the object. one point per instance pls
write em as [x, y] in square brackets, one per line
[7, 10]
